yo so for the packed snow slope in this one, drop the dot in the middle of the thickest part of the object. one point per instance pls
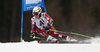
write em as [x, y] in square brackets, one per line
[35, 47]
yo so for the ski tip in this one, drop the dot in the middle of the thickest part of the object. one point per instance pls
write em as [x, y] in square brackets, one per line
[58, 42]
[39, 42]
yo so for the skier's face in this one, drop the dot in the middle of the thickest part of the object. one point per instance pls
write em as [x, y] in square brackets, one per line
[37, 16]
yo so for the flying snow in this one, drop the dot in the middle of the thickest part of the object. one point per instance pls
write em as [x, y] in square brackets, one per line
[96, 40]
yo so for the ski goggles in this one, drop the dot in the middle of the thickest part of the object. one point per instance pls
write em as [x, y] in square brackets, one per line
[35, 13]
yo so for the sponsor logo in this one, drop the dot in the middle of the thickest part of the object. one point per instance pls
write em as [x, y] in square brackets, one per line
[30, 7]
[60, 35]
[33, 1]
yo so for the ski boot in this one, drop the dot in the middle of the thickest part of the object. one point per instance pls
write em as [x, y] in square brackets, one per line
[49, 37]
[68, 38]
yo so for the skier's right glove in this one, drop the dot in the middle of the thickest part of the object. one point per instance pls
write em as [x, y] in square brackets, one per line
[32, 36]
[49, 25]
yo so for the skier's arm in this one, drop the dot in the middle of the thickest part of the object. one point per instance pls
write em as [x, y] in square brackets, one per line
[50, 21]
[33, 25]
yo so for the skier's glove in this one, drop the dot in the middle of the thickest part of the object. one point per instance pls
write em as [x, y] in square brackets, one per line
[32, 36]
[47, 27]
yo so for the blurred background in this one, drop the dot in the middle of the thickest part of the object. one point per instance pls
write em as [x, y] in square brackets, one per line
[80, 16]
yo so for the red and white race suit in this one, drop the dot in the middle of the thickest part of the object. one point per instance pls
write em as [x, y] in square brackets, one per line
[42, 22]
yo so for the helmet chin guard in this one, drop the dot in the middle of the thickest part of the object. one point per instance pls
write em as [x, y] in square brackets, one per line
[36, 10]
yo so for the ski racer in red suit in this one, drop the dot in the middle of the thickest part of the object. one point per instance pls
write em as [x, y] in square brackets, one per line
[44, 22]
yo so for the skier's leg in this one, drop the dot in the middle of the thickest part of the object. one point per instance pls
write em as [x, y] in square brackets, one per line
[45, 34]
[42, 32]
[67, 38]
[53, 33]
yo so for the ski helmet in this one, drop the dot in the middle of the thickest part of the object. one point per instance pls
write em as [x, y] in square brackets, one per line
[36, 10]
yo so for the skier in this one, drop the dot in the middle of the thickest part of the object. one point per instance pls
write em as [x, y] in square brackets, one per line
[44, 22]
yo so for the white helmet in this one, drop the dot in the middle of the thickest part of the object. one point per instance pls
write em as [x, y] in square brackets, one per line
[37, 10]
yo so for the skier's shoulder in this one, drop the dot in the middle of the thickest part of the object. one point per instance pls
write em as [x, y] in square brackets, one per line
[44, 14]
[33, 18]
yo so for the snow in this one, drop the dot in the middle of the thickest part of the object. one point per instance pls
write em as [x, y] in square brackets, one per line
[36, 47]
[96, 40]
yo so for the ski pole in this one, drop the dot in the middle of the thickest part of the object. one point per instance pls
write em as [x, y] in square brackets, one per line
[72, 33]
[38, 38]
[35, 37]
[59, 31]
[82, 35]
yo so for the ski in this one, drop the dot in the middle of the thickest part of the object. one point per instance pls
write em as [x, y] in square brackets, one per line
[62, 42]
